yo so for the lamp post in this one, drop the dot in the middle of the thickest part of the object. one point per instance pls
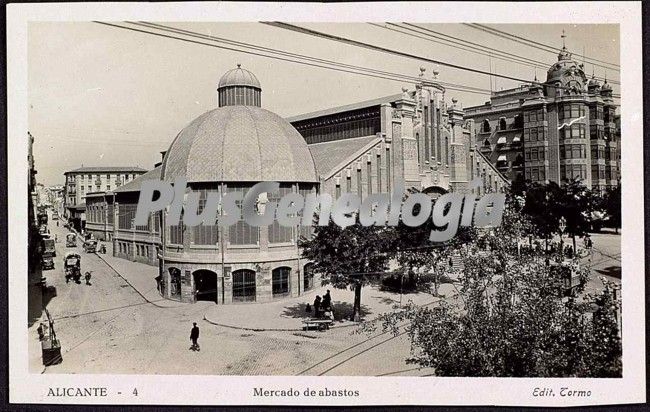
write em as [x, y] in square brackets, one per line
[562, 228]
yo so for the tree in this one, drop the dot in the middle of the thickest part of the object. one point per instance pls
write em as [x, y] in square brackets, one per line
[613, 206]
[347, 257]
[512, 317]
[424, 262]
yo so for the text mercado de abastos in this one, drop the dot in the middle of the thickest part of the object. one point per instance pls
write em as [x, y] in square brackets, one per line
[380, 209]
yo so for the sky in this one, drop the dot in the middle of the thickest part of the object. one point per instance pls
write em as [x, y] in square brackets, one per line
[102, 96]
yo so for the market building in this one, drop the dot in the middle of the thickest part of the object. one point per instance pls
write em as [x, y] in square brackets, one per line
[413, 139]
[562, 129]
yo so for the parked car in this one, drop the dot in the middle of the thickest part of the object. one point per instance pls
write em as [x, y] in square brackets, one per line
[90, 246]
[47, 263]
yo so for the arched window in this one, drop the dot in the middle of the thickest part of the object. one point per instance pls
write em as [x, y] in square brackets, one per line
[502, 123]
[175, 282]
[486, 126]
[280, 281]
[308, 273]
[243, 286]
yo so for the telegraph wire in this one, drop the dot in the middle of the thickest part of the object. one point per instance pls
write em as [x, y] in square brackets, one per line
[401, 78]
[511, 57]
[369, 46]
[537, 45]
[295, 55]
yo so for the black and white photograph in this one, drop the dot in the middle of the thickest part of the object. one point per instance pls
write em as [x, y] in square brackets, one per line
[388, 200]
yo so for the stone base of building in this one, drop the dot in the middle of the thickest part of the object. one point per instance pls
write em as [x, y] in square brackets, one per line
[236, 282]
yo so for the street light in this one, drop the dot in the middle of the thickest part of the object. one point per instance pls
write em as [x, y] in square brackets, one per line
[562, 227]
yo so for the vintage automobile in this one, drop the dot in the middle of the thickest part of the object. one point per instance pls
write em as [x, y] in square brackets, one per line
[47, 263]
[72, 267]
[90, 246]
[70, 240]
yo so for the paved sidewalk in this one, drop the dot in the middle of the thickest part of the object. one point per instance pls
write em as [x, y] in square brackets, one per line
[140, 276]
[288, 314]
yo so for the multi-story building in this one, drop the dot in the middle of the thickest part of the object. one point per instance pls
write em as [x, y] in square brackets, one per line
[412, 139]
[83, 181]
[558, 130]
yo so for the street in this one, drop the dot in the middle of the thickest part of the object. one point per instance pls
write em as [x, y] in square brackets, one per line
[109, 327]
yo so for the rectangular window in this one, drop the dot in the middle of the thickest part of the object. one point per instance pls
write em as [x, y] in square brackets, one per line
[305, 230]
[526, 135]
[241, 233]
[204, 234]
[533, 154]
[379, 182]
[533, 134]
[278, 233]
[359, 185]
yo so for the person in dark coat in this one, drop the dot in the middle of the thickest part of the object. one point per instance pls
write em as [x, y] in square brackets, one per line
[327, 301]
[194, 337]
[317, 304]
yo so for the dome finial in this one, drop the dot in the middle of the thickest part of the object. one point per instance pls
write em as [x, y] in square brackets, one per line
[563, 37]
[239, 65]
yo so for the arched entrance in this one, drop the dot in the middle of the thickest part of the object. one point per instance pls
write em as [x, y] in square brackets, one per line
[206, 284]
[243, 285]
[434, 191]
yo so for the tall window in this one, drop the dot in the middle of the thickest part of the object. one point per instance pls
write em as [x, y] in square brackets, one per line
[205, 234]
[306, 230]
[241, 233]
[369, 173]
[243, 285]
[308, 273]
[278, 233]
[280, 280]
[176, 232]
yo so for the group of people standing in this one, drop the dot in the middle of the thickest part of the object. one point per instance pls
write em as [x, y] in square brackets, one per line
[323, 306]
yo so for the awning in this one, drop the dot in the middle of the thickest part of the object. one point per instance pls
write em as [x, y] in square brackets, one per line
[502, 158]
[501, 140]
[516, 139]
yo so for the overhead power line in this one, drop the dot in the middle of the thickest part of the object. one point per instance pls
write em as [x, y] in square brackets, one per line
[538, 45]
[300, 56]
[357, 43]
[355, 70]
[260, 51]
[475, 47]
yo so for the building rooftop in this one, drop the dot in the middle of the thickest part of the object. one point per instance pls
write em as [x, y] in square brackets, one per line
[239, 144]
[105, 169]
[346, 108]
[135, 184]
[328, 155]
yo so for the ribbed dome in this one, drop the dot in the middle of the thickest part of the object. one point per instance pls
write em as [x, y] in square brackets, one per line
[239, 77]
[239, 144]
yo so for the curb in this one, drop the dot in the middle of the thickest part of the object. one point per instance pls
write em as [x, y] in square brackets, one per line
[223, 325]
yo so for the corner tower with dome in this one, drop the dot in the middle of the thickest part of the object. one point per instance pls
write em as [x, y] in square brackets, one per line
[561, 129]
[229, 149]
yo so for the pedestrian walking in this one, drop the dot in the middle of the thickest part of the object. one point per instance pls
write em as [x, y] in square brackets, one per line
[317, 303]
[87, 277]
[194, 337]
